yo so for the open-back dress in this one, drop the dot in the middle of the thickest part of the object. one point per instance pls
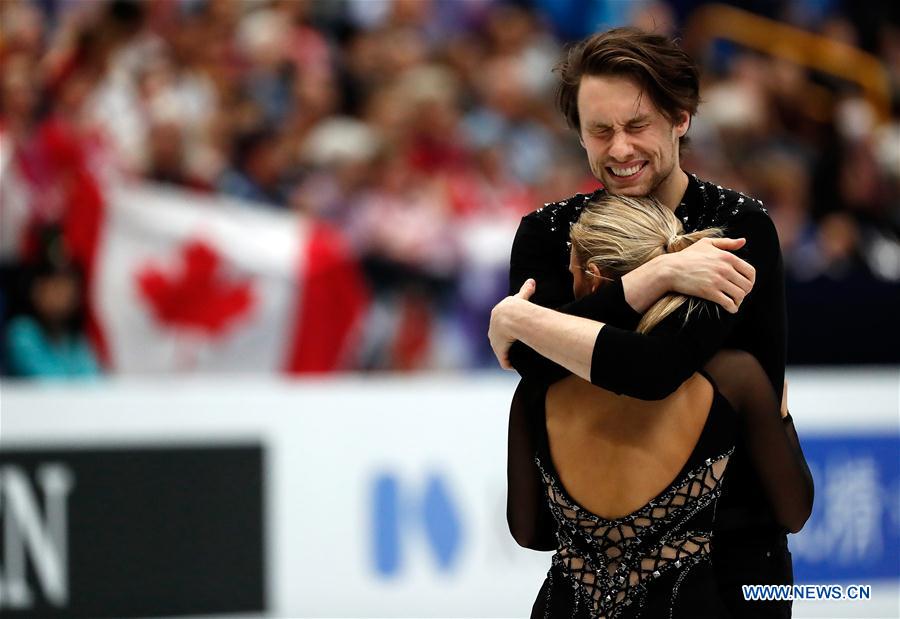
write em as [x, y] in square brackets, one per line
[657, 561]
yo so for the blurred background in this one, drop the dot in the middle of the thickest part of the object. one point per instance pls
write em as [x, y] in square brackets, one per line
[249, 251]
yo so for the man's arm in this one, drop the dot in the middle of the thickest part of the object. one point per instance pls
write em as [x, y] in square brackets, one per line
[658, 362]
[706, 270]
[570, 341]
[645, 366]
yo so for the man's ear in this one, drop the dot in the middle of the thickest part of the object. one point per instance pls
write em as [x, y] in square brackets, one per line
[682, 123]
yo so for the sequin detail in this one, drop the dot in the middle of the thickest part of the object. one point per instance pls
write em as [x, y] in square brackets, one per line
[610, 563]
[717, 207]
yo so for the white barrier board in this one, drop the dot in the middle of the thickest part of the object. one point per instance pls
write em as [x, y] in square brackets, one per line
[386, 496]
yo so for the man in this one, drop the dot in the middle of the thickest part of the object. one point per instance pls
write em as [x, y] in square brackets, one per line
[630, 96]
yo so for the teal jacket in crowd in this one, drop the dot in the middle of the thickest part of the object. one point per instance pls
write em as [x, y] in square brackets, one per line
[30, 353]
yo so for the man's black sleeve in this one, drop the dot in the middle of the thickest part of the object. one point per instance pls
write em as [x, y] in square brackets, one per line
[535, 255]
[648, 366]
[652, 366]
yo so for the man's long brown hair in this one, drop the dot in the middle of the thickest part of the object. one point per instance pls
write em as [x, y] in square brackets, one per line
[657, 65]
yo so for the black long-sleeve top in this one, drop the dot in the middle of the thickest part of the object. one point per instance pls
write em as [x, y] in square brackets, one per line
[653, 365]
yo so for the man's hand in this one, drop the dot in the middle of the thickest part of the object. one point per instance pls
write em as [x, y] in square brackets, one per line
[500, 332]
[708, 270]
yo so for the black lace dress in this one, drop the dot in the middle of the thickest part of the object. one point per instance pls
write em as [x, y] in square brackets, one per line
[655, 562]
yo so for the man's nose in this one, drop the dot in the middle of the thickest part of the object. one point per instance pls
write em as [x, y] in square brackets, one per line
[620, 149]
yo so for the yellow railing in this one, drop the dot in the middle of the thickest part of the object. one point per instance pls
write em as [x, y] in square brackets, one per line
[716, 21]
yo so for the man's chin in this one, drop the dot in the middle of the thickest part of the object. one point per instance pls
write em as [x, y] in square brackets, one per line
[635, 190]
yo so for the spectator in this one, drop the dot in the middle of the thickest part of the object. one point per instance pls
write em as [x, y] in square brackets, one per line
[258, 172]
[423, 129]
[48, 341]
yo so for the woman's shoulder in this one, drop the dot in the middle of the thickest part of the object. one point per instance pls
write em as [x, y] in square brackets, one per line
[736, 373]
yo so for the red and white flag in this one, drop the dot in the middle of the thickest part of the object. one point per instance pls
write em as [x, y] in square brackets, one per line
[187, 282]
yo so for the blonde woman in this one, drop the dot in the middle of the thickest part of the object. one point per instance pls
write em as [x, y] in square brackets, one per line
[625, 490]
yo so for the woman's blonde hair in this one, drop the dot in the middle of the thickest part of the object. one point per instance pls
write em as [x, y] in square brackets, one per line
[619, 234]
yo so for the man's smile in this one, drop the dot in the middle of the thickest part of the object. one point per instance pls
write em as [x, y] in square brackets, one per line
[628, 171]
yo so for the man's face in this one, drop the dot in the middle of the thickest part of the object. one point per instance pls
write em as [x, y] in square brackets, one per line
[632, 148]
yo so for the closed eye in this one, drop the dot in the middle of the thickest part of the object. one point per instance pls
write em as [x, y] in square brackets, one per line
[601, 132]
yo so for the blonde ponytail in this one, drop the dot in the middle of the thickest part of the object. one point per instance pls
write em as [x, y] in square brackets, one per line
[620, 233]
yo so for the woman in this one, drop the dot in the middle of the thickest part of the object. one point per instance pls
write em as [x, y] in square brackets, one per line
[47, 341]
[623, 489]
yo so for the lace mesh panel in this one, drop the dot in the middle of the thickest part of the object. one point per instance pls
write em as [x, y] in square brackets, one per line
[610, 562]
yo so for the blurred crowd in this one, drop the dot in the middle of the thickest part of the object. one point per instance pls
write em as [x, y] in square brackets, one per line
[421, 129]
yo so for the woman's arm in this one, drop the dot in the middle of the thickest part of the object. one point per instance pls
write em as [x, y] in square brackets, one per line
[771, 441]
[527, 512]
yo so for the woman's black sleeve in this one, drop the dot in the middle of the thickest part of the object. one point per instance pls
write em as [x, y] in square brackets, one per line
[527, 512]
[771, 442]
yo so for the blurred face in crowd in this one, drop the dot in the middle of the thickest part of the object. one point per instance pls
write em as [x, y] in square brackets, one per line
[631, 146]
[55, 297]
[166, 145]
[18, 96]
[265, 164]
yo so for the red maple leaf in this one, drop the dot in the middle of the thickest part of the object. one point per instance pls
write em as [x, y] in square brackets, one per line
[197, 298]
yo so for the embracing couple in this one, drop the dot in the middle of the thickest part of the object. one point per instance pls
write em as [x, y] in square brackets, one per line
[649, 443]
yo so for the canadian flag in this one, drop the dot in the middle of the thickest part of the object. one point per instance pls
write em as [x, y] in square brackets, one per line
[187, 282]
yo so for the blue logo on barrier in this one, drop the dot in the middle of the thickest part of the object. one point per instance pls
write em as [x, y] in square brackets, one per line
[854, 531]
[398, 520]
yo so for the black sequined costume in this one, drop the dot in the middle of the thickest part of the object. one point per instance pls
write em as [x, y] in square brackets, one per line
[753, 546]
[656, 562]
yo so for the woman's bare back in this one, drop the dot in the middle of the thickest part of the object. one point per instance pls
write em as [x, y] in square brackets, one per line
[614, 453]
